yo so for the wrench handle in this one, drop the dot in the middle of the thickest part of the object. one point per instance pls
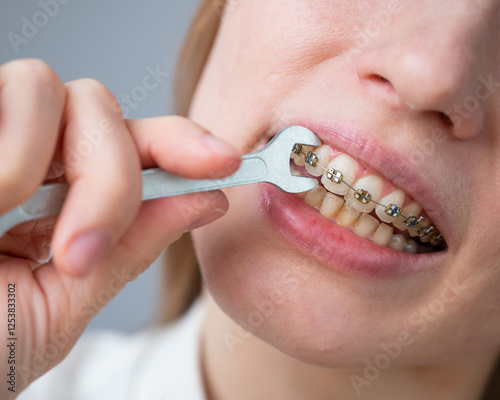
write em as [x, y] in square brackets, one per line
[158, 183]
[49, 199]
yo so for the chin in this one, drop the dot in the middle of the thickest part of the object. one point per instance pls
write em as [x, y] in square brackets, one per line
[318, 313]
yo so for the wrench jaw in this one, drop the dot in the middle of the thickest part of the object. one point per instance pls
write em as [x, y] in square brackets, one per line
[278, 159]
[288, 137]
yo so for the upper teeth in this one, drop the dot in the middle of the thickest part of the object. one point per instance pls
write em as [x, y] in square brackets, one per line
[362, 196]
[396, 199]
[346, 167]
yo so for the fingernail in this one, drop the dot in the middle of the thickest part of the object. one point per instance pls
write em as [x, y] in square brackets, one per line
[219, 146]
[86, 251]
[206, 219]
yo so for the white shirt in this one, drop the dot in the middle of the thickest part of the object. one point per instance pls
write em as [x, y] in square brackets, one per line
[157, 364]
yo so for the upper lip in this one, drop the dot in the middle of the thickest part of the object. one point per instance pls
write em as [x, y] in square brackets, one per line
[388, 162]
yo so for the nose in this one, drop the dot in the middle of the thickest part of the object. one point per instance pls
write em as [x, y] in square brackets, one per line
[439, 64]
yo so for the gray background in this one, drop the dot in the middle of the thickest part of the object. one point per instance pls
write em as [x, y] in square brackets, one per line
[115, 42]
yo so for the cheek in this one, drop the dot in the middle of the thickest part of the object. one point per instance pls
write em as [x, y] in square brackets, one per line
[251, 69]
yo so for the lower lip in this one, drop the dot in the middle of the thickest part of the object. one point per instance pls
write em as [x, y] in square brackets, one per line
[334, 246]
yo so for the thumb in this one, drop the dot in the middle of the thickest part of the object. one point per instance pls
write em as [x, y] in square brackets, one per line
[159, 223]
[163, 221]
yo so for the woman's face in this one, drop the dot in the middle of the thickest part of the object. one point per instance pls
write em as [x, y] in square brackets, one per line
[409, 90]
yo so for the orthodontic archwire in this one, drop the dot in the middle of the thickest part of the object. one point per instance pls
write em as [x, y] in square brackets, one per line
[363, 196]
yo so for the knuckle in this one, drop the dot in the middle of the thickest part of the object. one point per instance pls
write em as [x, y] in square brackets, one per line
[39, 75]
[28, 67]
[90, 87]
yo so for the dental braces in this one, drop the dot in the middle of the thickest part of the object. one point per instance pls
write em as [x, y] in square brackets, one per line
[411, 221]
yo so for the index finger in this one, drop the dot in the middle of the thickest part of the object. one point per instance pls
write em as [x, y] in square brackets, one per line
[182, 147]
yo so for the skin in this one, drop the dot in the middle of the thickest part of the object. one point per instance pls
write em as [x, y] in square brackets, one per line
[400, 78]
[55, 299]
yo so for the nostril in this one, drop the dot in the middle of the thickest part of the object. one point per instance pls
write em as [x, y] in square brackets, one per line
[382, 88]
[446, 119]
[380, 78]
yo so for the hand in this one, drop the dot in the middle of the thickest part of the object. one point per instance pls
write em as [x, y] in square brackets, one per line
[105, 236]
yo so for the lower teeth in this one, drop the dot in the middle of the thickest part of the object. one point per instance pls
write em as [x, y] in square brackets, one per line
[333, 208]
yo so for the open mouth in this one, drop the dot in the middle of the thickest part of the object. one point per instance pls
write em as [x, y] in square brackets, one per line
[353, 197]
[337, 226]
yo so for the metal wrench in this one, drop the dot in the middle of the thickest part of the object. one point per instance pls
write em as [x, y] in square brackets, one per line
[270, 164]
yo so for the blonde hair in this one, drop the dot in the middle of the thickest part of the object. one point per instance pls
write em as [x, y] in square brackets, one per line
[182, 278]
